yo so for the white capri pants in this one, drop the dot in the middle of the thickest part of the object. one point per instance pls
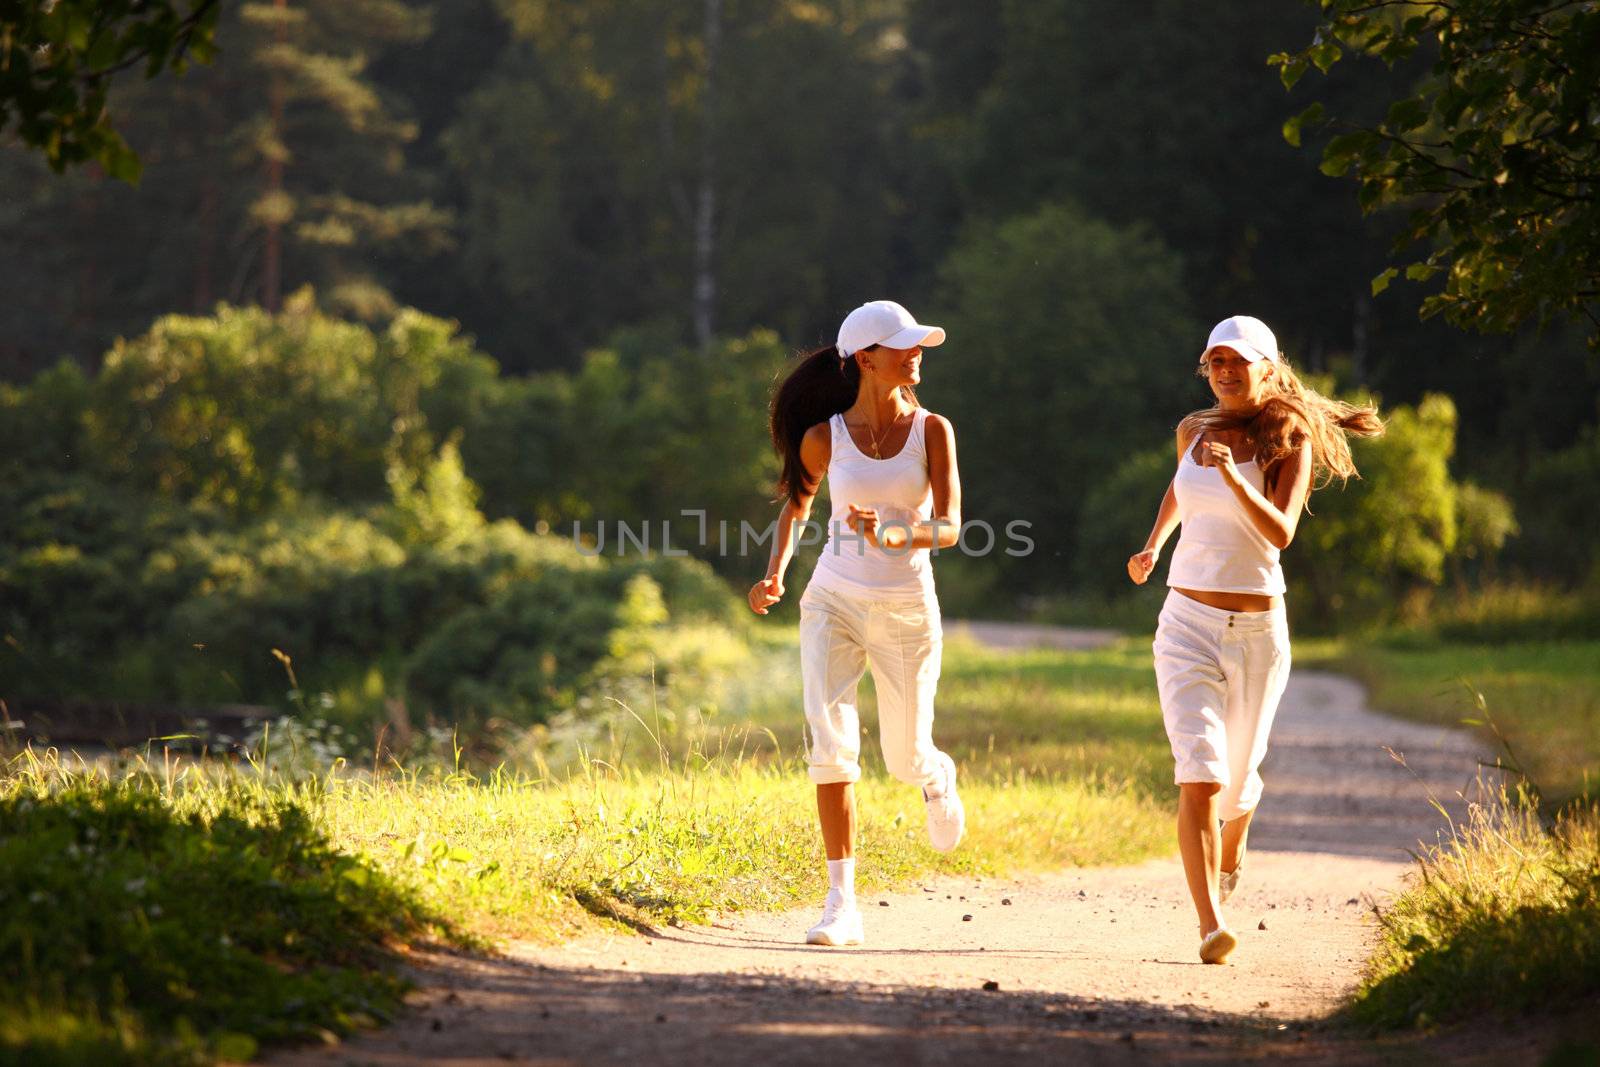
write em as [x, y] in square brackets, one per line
[841, 633]
[1221, 675]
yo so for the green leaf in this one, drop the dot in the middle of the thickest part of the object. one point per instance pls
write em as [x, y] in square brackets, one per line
[120, 161]
[1325, 55]
[1296, 123]
[1420, 272]
[102, 51]
[1407, 114]
[1341, 152]
[1292, 70]
[1382, 280]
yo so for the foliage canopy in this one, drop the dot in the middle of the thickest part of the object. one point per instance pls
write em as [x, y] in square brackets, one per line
[58, 57]
[1495, 151]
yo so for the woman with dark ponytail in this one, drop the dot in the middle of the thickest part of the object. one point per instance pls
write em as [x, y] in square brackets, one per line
[1245, 469]
[848, 412]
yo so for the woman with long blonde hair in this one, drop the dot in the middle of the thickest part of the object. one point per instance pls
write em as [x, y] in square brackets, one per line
[1245, 469]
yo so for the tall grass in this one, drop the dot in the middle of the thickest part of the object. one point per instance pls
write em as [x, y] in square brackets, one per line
[652, 815]
[1504, 917]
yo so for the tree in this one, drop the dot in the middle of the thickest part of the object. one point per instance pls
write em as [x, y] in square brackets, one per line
[714, 167]
[251, 412]
[1494, 151]
[229, 178]
[1071, 345]
[1380, 541]
[58, 59]
[1171, 119]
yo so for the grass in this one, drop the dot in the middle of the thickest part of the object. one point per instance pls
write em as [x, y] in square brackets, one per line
[649, 816]
[157, 924]
[1503, 918]
[215, 905]
[1543, 697]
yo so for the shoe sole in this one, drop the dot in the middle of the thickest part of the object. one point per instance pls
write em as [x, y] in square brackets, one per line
[828, 942]
[1218, 946]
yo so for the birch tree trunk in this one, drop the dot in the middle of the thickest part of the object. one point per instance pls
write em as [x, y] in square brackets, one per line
[705, 213]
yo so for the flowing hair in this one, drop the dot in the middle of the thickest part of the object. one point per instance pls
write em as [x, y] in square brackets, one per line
[1293, 412]
[820, 387]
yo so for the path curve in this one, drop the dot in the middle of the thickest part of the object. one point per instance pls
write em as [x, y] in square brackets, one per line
[1094, 963]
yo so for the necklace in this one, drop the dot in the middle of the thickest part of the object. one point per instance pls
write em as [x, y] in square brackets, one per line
[877, 440]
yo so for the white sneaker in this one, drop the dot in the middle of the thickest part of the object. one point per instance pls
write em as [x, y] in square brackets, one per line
[947, 819]
[840, 925]
[1218, 945]
[1228, 882]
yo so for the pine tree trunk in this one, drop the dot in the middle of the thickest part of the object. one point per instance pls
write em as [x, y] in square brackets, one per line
[705, 279]
[206, 245]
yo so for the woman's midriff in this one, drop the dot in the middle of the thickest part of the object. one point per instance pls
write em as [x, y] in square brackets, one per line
[1240, 602]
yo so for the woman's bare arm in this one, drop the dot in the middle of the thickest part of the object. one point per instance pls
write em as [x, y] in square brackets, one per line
[1277, 519]
[816, 449]
[1141, 563]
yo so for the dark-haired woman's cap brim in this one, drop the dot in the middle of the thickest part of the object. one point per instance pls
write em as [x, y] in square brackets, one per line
[912, 336]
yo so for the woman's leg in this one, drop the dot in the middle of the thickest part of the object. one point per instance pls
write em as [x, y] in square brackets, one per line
[836, 809]
[905, 643]
[1255, 662]
[1194, 697]
[1234, 832]
[1199, 844]
[832, 629]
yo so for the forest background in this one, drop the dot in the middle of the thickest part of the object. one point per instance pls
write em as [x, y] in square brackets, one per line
[412, 302]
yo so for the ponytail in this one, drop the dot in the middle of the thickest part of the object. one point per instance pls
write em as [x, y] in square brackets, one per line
[819, 387]
[1292, 413]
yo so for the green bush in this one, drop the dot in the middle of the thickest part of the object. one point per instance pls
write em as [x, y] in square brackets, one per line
[252, 411]
[571, 638]
[1376, 548]
[1560, 489]
[635, 435]
[212, 927]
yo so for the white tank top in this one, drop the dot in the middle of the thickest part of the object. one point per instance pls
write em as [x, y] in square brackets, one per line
[1219, 550]
[899, 488]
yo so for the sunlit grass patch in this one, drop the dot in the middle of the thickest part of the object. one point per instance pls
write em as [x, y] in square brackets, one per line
[515, 857]
[161, 924]
[1503, 918]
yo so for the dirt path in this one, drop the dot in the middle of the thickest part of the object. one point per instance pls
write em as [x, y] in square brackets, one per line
[1098, 964]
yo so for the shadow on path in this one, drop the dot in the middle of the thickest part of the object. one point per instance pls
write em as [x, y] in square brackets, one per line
[474, 1011]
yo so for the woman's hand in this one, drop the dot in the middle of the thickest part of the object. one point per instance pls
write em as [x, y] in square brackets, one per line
[1140, 564]
[765, 593]
[1221, 457]
[863, 521]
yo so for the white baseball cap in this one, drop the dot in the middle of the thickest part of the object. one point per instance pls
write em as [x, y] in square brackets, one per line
[883, 322]
[1246, 335]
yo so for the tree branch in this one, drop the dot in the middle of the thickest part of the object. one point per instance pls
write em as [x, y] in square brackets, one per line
[183, 37]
